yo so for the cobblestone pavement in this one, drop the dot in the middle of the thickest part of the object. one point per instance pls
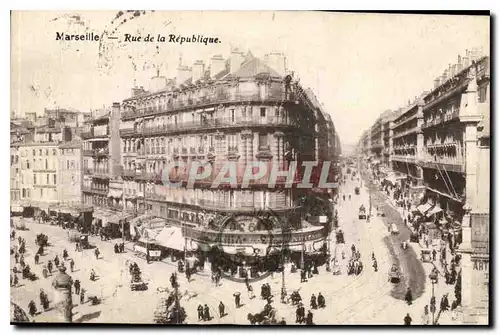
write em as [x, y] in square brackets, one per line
[364, 299]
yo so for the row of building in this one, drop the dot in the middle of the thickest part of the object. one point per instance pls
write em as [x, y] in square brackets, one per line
[242, 110]
[436, 150]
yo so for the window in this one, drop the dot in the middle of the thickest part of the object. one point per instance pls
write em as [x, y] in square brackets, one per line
[232, 115]
[482, 93]
[47, 178]
[34, 179]
[27, 164]
[34, 152]
[277, 112]
[263, 112]
[263, 141]
[46, 164]
[41, 192]
[67, 165]
[46, 152]
[55, 179]
[24, 193]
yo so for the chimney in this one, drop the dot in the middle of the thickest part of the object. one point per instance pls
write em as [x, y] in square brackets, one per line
[444, 77]
[453, 70]
[157, 83]
[216, 65]
[277, 62]
[237, 58]
[437, 82]
[198, 70]
[459, 64]
[465, 62]
[183, 74]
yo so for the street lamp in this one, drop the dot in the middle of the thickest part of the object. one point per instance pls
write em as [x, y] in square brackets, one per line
[433, 276]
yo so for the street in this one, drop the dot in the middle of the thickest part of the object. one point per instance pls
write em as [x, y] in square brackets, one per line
[368, 298]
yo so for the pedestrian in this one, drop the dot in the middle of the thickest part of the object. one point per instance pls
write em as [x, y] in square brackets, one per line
[251, 295]
[425, 315]
[407, 320]
[116, 249]
[282, 322]
[444, 303]
[37, 259]
[221, 310]
[206, 313]
[309, 318]
[434, 253]
[297, 315]
[65, 254]
[77, 286]
[408, 296]
[56, 261]
[16, 257]
[32, 308]
[237, 299]
[72, 265]
[303, 276]
[200, 313]
[16, 280]
[77, 247]
[321, 301]
[82, 296]
[314, 305]
[96, 252]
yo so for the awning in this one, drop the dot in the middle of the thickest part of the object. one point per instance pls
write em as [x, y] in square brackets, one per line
[433, 211]
[116, 218]
[115, 193]
[140, 219]
[424, 208]
[171, 237]
[16, 208]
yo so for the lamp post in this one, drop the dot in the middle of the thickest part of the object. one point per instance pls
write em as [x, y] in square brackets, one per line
[433, 276]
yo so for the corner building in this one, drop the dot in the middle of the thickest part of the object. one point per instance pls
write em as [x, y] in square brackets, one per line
[242, 111]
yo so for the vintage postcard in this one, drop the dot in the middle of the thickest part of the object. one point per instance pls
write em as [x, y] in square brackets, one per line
[250, 168]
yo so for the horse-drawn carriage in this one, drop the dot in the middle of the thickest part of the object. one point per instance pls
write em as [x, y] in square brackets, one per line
[394, 274]
[83, 239]
[362, 213]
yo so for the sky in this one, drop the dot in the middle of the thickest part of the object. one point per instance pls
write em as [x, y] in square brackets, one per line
[359, 65]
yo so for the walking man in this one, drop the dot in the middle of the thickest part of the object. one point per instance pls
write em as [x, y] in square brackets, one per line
[200, 313]
[407, 320]
[72, 265]
[221, 310]
[82, 296]
[77, 287]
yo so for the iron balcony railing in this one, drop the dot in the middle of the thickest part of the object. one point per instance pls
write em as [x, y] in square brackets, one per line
[219, 98]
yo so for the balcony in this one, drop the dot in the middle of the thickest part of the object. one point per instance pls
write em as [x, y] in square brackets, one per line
[87, 135]
[403, 158]
[228, 237]
[441, 119]
[96, 152]
[99, 191]
[215, 123]
[128, 173]
[453, 163]
[132, 114]
[128, 132]
[98, 173]
[213, 99]
[405, 132]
